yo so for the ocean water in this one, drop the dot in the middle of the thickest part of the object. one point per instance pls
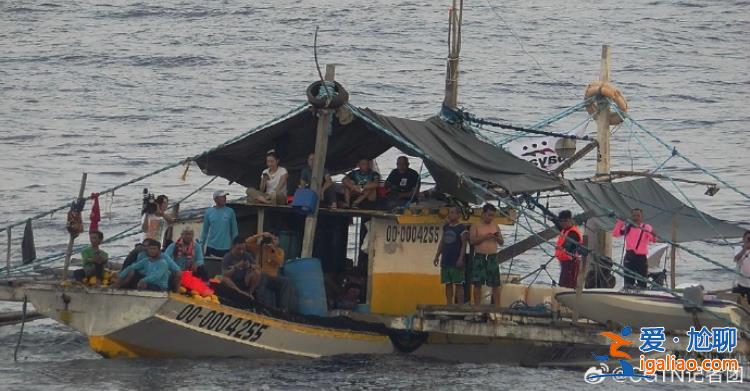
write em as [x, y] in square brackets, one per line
[120, 88]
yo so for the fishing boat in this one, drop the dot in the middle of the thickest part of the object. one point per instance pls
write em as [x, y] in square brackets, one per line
[402, 305]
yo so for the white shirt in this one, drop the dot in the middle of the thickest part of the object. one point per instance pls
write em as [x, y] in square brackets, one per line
[275, 178]
[743, 267]
[154, 228]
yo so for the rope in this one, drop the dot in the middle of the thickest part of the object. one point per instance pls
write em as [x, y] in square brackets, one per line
[468, 117]
[112, 189]
[20, 333]
[672, 149]
[121, 235]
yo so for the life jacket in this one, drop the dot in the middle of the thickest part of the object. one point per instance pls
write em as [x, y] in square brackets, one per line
[560, 252]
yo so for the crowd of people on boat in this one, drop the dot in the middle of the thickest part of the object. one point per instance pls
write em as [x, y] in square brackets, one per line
[250, 267]
[359, 188]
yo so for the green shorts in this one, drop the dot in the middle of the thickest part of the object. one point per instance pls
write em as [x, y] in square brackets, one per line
[485, 270]
[451, 275]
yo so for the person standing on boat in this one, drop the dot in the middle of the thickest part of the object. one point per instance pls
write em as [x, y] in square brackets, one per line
[566, 249]
[219, 226]
[94, 259]
[450, 257]
[241, 273]
[485, 236]
[154, 268]
[742, 258]
[362, 184]
[155, 218]
[272, 183]
[637, 238]
[186, 253]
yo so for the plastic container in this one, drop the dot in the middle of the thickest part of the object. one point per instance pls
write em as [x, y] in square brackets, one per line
[306, 275]
[305, 201]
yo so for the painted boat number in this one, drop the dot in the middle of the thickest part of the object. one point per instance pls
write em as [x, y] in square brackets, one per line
[243, 329]
[412, 233]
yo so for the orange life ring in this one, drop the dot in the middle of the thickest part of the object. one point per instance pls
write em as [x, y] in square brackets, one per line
[609, 91]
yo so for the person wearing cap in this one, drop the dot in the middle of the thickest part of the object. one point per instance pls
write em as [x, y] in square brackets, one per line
[219, 226]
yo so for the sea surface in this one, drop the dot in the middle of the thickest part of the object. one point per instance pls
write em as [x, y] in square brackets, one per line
[118, 89]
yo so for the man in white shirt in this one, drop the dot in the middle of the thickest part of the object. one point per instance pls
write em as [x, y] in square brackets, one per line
[742, 258]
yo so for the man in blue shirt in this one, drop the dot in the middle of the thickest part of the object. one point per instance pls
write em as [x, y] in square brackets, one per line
[219, 226]
[154, 268]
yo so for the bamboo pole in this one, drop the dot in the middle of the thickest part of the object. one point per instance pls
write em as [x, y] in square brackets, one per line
[318, 169]
[455, 18]
[69, 249]
[673, 256]
[7, 256]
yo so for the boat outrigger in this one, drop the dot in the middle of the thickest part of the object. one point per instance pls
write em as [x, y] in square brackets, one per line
[402, 306]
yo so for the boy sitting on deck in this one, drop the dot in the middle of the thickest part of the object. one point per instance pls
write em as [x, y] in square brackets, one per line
[155, 269]
[452, 248]
[94, 259]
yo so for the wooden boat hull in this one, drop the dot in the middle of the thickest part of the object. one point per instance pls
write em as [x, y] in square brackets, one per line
[153, 324]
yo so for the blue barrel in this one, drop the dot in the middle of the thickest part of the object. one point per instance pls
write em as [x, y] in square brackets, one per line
[305, 201]
[306, 275]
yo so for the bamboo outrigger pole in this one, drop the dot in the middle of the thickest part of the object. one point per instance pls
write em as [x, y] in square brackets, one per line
[69, 249]
[455, 17]
[318, 168]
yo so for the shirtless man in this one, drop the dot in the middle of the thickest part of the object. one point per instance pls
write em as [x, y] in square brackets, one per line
[485, 236]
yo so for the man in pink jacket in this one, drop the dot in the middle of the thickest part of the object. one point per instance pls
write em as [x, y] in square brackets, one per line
[637, 238]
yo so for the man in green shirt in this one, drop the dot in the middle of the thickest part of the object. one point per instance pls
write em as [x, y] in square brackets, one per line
[94, 259]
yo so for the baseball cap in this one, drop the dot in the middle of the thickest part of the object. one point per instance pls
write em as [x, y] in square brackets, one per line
[220, 193]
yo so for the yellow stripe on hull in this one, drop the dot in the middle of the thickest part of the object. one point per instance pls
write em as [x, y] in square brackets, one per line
[111, 348]
[400, 293]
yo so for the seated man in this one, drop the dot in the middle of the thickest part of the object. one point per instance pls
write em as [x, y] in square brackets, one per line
[327, 187]
[241, 273]
[362, 184]
[94, 259]
[187, 255]
[403, 184]
[154, 268]
[273, 290]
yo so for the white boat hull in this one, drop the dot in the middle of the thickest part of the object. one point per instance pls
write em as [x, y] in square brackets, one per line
[651, 309]
[150, 324]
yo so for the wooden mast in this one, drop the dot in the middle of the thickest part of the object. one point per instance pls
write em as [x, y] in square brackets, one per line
[69, 249]
[318, 169]
[455, 17]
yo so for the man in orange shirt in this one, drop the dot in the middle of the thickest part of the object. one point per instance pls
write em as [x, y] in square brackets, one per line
[274, 290]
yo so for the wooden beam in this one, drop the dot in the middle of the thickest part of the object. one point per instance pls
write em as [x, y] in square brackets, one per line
[576, 157]
[318, 169]
[69, 249]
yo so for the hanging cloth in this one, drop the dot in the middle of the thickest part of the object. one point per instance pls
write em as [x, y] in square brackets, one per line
[95, 215]
[28, 249]
[74, 223]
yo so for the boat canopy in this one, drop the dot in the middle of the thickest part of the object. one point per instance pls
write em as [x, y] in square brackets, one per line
[450, 152]
[660, 208]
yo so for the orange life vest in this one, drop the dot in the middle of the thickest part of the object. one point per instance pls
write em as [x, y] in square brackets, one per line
[560, 252]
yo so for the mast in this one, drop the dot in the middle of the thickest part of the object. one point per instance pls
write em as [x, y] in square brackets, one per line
[600, 239]
[318, 169]
[455, 17]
